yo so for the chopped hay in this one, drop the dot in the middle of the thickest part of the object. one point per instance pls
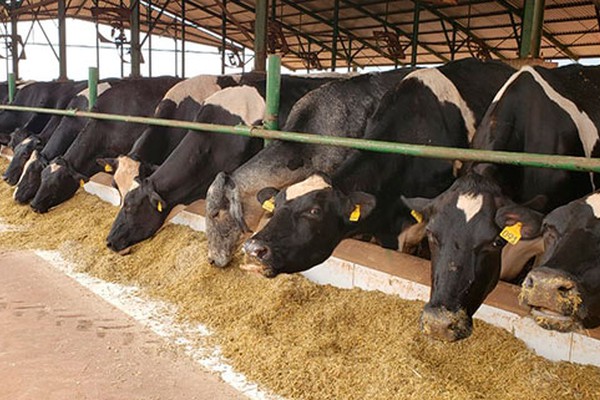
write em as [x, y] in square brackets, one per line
[296, 338]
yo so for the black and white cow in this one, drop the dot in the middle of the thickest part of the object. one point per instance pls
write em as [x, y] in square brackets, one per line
[182, 102]
[23, 150]
[338, 108]
[564, 293]
[58, 143]
[438, 106]
[15, 126]
[536, 111]
[185, 175]
[100, 138]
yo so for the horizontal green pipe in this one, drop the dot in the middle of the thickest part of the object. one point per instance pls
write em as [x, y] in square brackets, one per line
[448, 153]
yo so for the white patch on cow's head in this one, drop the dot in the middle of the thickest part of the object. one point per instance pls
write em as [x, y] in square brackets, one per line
[127, 170]
[101, 88]
[243, 101]
[20, 85]
[594, 202]
[470, 204]
[446, 92]
[134, 185]
[26, 140]
[32, 158]
[197, 88]
[312, 183]
[54, 167]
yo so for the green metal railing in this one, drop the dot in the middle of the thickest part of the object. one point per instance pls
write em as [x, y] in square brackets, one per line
[500, 157]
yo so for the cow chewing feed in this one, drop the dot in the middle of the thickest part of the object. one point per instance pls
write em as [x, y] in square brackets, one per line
[430, 107]
[337, 108]
[100, 139]
[24, 149]
[182, 102]
[559, 119]
[564, 293]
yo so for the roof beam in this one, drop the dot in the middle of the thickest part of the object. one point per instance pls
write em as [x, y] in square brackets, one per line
[345, 31]
[459, 27]
[398, 31]
[547, 35]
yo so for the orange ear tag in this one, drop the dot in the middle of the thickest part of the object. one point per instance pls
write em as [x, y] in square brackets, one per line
[512, 234]
[159, 207]
[81, 183]
[355, 216]
[417, 216]
[108, 168]
[269, 205]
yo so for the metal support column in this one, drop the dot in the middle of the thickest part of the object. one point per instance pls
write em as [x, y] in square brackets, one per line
[92, 87]
[260, 35]
[415, 34]
[14, 48]
[223, 36]
[62, 41]
[271, 120]
[135, 39]
[97, 41]
[336, 32]
[183, 39]
[12, 87]
[531, 30]
[150, 25]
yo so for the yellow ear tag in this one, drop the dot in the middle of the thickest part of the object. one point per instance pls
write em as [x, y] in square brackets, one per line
[108, 168]
[355, 216]
[269, 205]
[512, 234]
[159, 206]
[417, 216]
[81, 183]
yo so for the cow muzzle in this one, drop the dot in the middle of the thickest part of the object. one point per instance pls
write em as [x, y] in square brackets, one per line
[444, 325]
[554, 299]
[257, 255]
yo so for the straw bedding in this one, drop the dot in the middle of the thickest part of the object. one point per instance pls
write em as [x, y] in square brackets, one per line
[295, 338]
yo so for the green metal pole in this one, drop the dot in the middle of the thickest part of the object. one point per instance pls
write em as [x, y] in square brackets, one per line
[531, 30]
[12, 87]
[271, 120]
[570, 163]
[260, 35]
[92, 87]
[14, 39]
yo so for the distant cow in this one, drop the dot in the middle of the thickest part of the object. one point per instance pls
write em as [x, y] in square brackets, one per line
[564, 293]
[338, 108]
[536, 111]
[182, 102]
[438, 106]
[185, 175]
[37, 94]
[100, 139]
[58, 143]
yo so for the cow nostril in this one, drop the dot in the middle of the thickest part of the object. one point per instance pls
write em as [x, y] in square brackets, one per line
[261, 253]
[528, 283]
[565, 287]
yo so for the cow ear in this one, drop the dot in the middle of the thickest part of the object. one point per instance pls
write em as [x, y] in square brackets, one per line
[362, 204]
[520, 221]
[157, 202]
[147, 169]
[109, 165]
[266, 197]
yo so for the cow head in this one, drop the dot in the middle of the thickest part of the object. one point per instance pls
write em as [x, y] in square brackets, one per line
[143, 213]
[31, 178]
[59, 184]
[464, 226]
[124, 171]
[309, 220]
[22, 153]
[564, 293]
[225, 223]
[18, 136]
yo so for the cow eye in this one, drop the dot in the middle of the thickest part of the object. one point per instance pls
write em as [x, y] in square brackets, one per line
[315, 211]
[498, 242]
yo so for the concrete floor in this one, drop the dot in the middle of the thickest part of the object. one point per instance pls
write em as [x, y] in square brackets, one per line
[60, 341]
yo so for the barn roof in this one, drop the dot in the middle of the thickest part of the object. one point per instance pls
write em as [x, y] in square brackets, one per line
[370, 32]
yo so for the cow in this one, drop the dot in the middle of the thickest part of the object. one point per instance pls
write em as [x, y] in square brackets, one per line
[64, 135]
[23, 150]
[337, 108]
[15, 126]
[182, 102]
[99, 139]
[561, 116]
[185, 175]
[563, 294]
[437, 106]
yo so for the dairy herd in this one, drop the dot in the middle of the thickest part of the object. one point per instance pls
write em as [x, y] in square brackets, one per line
[288, 205]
